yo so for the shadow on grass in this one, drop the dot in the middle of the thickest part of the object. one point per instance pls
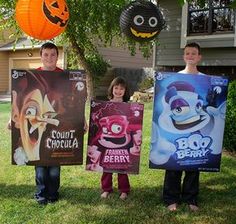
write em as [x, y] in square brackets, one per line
[217, 200]
[75, 195]
[144, 205]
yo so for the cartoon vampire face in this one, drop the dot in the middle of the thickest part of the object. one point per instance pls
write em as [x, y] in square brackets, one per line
[114, 131]
[32, 111]
[184, 110]
[32, 119]
[141, 20]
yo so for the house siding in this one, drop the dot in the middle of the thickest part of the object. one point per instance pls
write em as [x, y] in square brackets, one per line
[23, 54]
[4, 79]
[214, 42]
[218, 51]
[132, 68]
[121, 58]
[169, 52]
[7, 59]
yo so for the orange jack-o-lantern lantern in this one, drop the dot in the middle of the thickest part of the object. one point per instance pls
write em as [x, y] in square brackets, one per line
[42, 19]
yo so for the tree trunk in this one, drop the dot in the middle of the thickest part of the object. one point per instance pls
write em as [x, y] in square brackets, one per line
[89, 83]
[82, 60]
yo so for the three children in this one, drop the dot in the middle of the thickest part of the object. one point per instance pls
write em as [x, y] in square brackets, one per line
[48, 178]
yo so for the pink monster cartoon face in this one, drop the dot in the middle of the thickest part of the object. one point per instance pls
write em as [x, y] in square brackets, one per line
[114, 131]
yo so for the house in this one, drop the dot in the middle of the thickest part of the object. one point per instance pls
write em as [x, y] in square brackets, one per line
[20, 55]
[24, 55]
[212, 26]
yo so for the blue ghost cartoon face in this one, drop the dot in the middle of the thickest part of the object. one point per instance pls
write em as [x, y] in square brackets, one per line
[183, 109]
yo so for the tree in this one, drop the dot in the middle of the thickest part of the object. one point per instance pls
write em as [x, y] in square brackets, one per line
[91, 22]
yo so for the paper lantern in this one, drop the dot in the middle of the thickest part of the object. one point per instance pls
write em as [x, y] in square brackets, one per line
[42, 19]
[141, 21]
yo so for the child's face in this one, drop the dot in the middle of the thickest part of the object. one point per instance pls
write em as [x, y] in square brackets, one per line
[191, 56]
[49, 59]
[118, 92]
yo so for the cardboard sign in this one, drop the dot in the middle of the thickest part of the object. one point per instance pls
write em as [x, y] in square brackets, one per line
[115, 137]
[188, 121]
[48, 117]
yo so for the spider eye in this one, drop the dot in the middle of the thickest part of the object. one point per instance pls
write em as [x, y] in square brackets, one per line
[152, 21]
[138, 20]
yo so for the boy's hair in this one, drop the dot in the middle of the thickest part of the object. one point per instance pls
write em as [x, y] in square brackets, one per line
[119, 81]
[195, 45]
[48, 45]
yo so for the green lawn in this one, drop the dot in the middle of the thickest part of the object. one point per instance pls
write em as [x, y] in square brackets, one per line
[80, 192]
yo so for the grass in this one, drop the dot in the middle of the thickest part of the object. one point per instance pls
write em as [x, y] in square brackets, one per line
[80, 192]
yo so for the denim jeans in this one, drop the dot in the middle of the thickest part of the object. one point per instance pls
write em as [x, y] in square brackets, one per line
[47, 182]
[172, 191]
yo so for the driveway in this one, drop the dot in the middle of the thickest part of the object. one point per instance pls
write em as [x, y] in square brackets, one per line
[5, 98]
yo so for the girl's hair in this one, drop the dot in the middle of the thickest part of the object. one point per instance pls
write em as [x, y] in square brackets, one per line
[119, 81]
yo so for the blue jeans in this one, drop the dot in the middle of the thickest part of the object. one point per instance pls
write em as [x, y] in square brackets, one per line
[174, 193]
[47, 182]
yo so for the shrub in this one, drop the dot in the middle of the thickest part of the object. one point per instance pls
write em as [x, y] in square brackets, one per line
[146, 84]
[230, 121]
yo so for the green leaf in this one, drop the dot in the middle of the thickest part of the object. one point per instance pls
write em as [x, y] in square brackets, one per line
[181, 2]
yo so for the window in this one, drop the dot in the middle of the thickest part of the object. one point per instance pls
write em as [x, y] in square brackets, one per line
[214, 17]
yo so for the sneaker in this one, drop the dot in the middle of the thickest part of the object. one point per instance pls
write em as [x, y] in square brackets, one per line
[193, 208]
[172, 207]
[123, 196]
[105, 194]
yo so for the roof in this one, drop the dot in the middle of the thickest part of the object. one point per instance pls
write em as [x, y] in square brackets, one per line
[21, 44]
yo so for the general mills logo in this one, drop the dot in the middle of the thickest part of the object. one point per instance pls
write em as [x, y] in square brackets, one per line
[16, 74]
[94, 104]
[158, 75]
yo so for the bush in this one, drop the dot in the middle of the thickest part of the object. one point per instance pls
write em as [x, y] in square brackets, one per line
[146, 84]
[230, 121]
